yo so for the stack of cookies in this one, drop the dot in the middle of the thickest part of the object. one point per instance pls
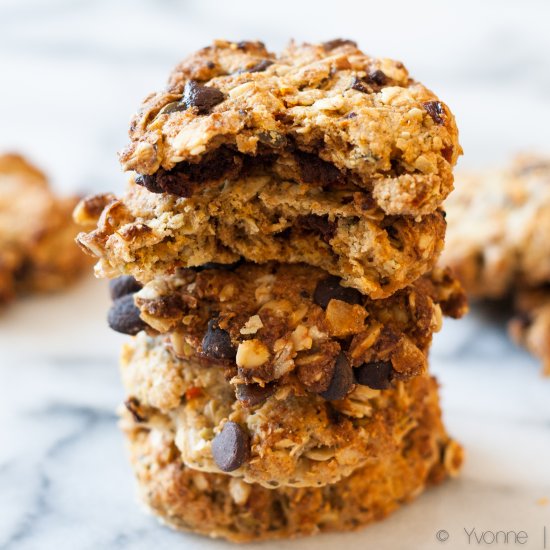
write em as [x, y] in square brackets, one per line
[273, 257]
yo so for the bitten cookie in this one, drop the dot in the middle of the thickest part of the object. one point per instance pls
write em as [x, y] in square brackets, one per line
[37, 248]
[276, 324]
[222, 506]
[322, 155]
[498, 227]
[275, 436]
[320, 113]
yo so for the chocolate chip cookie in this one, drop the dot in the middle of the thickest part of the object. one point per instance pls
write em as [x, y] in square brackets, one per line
[225, 506]
[37, 248]
[261, 219]
[498, 227]
[319, 114]
[285, 437]
[269, 324]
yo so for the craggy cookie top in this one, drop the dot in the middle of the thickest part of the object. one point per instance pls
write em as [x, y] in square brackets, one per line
[325, 113]
[292, 325]
[498, 227]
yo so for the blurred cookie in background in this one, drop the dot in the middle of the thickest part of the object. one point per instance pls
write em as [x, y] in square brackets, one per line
[37, 248]
[499, 247]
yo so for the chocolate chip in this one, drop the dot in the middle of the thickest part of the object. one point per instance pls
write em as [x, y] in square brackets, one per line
[436, 111]
[231, 447]
[124, 316]
[259, 67]
[342, 379]
[217, 342]
[376, 375]
[373, 82]
[318, 224]
[202, 97]
[330, 288]
[253, 394]
[316, 170]
[123, 285]
[337, 42]
[377, 77]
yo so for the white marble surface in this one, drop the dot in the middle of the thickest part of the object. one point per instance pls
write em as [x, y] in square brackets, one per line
[71, 73]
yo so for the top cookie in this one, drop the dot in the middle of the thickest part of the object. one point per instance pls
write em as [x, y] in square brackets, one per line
[498, 227]
[322, 114]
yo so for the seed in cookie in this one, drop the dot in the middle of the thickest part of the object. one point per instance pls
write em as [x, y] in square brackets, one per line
[342, 379]
[376, 375]
[124, 316]
[330, 288]
[251, 395]
[123, 285]
[231, 447]
[202, 97]
[217, 342]
[436, 111]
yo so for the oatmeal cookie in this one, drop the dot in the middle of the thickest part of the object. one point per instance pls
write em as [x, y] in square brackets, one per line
[261, 219]
[219, 505]
[498, 227]
[530, 326]
[264, 323]
[320, 114]
[37, 248]
[280, 436]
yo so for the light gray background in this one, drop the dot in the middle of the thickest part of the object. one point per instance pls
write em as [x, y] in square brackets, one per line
[71, 74]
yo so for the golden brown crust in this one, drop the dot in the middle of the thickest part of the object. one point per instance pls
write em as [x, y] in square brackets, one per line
[296, 439]
[218, 505]
[382, 130]
[498, 224]
[37, 248]
[290, 312]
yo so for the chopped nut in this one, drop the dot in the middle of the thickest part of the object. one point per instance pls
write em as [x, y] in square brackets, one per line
[363, 341]
[251, 354]
[253, 325]
[301, 339]
[239, 490]
[315, 368]
[227, 292]
[344, 319]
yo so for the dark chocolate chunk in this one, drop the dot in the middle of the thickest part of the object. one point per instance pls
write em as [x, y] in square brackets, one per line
[316, 170]
[259, 67]
[330, 288]
[202, 97]
[231, 447]
[376, 375]
[183, 179]
[217, 342]
[124, 316]
[436, 111]
[341, 381]
[253, 394]
[337, 42]
[373, 82]
[378, 77]
[123, 285]
[318, 224]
